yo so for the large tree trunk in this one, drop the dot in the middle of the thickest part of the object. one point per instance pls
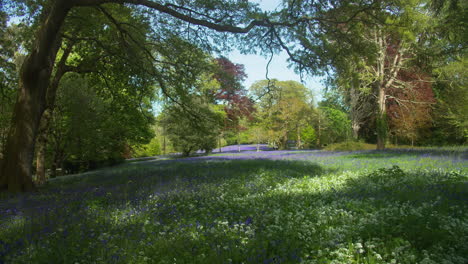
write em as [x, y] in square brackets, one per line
[379, 86]
[356, 127]
[15, 174]
[41, 147]
[284, 141]
[47, 116]
[381, 120]
[40, 159]
[17, 166]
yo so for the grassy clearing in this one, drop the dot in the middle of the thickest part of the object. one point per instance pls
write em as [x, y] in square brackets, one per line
[265, 207]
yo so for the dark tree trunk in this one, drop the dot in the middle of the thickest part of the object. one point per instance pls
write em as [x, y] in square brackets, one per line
[299, 142]
[17, 166]
[53, 169]
[15, 174]
[41, 148]
[47, 116]
[40, 159]
[57, 162]
[284, 141]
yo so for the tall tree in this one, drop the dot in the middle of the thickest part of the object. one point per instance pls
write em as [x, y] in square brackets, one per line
[91, 55]
[233, 95]
[374, 39]
[285, 107]
[36, 71]
[197, 130]
[451, 110]
[89, 130]
[449, 39]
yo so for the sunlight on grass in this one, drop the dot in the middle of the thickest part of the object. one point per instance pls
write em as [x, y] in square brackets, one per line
[270, 207]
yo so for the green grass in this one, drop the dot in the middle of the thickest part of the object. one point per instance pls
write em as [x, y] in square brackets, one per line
[359, 145]
[275, 207]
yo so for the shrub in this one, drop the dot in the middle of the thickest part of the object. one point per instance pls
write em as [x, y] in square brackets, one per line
[153, 148]
[309, 136]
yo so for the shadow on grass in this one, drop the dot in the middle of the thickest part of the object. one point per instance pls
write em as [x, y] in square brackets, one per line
[252, 211]
[136, 181]
[71, 201]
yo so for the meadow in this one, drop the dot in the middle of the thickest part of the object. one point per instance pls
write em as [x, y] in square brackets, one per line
[301, 206]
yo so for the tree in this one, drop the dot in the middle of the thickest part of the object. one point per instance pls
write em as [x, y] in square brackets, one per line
[447, 58]
[385, 33]
[191, 118]
[451, 111]
[189, 132]
[37, 69]
[348, 84]
[309, 136]
[231, 93]
[153, 148]
[285, 107]
[367, 44]
[257, 134]
[88, 130]
[409, 110]
[335, 125]
[115, 42]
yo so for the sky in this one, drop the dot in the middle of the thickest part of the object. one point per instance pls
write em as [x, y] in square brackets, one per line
[255, 65]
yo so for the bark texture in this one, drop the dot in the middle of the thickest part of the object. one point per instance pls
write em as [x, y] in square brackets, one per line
[47, 116]
[41, 148]
[388, 64]
[15, 173]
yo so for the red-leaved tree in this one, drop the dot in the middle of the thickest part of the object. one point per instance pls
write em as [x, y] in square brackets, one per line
[233, 95]
[409, 106]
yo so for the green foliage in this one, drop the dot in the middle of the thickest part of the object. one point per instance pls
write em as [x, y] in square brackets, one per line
[451, 112]
[234, 138]
[257, 134]
[86, 127]
[284, 107]
[9, 41]
[153, 148]
[309, 136]
[333, 98]
[196, 129]
[336, 126]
